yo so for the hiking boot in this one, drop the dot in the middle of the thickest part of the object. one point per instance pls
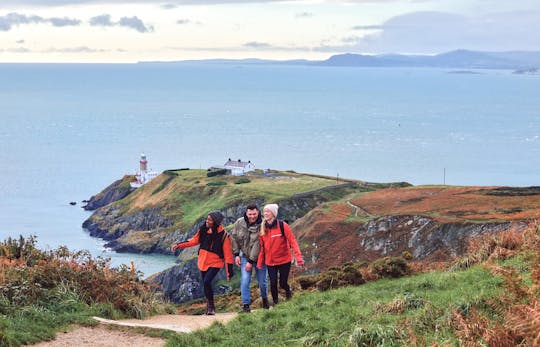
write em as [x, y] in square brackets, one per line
[210, 309]
[265, 304]
[288, 294]
[246, 309]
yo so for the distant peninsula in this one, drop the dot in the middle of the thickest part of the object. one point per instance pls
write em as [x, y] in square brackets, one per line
[458, 59]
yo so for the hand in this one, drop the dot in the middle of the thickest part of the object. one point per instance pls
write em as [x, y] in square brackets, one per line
[230, 272]
[300, 262]
[237, 260]
[174, 248]
[249, 266]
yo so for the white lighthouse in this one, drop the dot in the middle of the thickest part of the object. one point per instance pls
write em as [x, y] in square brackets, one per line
[143, 175]
[143, 163]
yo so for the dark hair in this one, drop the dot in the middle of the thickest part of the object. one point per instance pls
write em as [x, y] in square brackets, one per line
[252, 206]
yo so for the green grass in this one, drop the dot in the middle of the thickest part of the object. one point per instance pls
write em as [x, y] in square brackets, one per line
[357, 315]
[196, 195]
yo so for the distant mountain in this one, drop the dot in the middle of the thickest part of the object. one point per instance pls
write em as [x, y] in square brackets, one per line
[458, 59]
[454, 59]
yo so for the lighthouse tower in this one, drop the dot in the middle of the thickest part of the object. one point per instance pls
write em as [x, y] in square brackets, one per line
[143, 163]
[144, 175]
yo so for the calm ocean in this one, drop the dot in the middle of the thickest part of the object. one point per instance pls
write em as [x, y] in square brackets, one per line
[68, 131]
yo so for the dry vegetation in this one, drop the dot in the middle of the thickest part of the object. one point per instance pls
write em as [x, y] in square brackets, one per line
[451, 204]
[519, 306]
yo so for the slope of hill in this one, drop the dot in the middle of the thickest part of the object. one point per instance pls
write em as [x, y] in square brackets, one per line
[429, 223]
[335, 223]
[169, 208]
[492, 303]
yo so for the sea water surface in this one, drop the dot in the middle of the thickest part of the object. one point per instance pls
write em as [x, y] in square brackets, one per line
[68, 131]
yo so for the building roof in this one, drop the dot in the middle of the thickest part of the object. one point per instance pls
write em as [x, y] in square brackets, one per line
[238, 163]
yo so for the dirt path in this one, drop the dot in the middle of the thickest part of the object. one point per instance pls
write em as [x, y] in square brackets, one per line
[103, 336]
[357, 209]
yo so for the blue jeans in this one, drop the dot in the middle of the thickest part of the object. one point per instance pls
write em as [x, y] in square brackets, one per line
[246, 280]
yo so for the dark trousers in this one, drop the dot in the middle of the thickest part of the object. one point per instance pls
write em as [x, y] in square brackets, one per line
[283, 271]
[207, 278]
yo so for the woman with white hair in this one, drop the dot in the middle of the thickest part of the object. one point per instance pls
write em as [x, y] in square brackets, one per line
[276, 240]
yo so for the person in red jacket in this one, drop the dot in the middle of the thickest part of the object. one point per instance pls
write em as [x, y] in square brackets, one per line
[276, 243]
[215, 250]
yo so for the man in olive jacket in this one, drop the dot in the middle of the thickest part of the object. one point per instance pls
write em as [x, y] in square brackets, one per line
[245, 247]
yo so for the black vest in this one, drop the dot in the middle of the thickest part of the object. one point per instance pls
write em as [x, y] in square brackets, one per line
[212, 242]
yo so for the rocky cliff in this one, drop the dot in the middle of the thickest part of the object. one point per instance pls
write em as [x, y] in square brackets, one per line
[433, 223]
[145, 223]
[116, 191]
[352, 221]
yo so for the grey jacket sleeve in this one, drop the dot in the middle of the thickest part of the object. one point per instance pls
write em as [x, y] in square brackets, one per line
[234, 243]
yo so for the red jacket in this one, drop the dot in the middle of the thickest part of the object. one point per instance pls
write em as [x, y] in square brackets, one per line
[210, 259]
[276, 248]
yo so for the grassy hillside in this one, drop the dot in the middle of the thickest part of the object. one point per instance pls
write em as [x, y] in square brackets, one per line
[190, 194]
[492, 303]
[489, 297]
[164, 210]
[372, 313]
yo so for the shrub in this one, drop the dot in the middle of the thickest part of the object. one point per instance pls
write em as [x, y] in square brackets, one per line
[217, 172]
[307, 282]
[242, 181]
[390, 267]
[216, 183]
[406, 255]
[351, 276]
[329, 280]
[39, 276]
[381, 336]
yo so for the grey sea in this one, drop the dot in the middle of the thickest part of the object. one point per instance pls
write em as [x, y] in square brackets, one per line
[68, 131]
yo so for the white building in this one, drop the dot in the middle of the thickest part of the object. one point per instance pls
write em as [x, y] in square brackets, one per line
[239, 167]
[143, 175]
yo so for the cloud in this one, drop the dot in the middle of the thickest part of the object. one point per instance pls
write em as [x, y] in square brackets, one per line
[304, 15]
[128, 22]
[436, 32]
[10, 20]
[17, 50]
[350, 39]
[257, 45]
[103, 20]
[20, 42]
[367, 27]
[170, 3]
[80, 49]
[62, 22]
[169, 6]
[254, 45]
[135, 23]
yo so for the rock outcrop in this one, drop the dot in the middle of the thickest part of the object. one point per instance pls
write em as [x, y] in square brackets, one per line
[116, 191]
[422, 236]
[150, 230]
[182, 282]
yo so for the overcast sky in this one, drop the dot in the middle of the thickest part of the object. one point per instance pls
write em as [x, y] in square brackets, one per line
[146, 30]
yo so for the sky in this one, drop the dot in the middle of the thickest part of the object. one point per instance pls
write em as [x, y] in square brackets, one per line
[122, 31]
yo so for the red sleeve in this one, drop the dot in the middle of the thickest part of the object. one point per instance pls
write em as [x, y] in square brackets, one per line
[292, 241]
[194, 241]
[260, 259]
[227, 250]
